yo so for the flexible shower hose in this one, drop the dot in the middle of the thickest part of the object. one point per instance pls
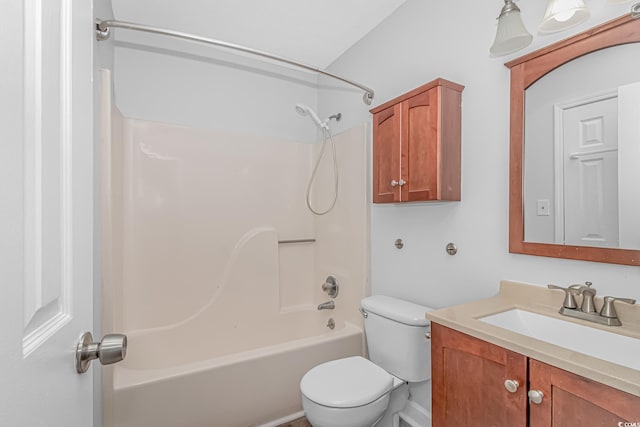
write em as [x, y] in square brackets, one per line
[325, 132]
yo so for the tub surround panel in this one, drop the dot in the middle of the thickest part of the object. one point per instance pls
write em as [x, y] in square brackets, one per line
[295, 289]
[341, 249]
[193, 200]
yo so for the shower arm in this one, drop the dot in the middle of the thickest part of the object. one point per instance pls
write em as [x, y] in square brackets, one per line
[103, 33]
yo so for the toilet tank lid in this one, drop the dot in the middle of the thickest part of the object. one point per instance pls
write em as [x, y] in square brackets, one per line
[396, 309]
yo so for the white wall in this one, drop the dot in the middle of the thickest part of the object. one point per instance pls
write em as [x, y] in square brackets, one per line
[173, 81]
[419, 42]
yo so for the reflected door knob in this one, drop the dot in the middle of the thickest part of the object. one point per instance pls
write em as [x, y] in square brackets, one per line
[112, 349]
[535, 396]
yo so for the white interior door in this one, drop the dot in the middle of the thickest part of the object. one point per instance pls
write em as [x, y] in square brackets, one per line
[590, 141]
[46, 211]
[628, 161]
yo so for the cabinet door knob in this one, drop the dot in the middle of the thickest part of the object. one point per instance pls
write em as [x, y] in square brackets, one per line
[402, 182]
[511, 385]
[394, 183]
[535, 396]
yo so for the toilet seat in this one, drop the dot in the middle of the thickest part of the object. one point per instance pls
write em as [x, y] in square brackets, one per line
[346, 383]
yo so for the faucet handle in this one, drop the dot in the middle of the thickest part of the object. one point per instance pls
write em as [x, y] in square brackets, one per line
[330, 286]
[609, 310]
[570, 293]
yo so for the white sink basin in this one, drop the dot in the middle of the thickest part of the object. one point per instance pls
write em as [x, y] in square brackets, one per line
[609, 346]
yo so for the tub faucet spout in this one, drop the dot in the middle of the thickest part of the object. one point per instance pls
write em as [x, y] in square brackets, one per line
[329, 305]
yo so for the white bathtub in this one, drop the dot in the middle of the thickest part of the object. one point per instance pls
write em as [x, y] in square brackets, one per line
[221, 316]
[156, 386]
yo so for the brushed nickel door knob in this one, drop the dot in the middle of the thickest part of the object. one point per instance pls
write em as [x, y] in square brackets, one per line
[112, 349]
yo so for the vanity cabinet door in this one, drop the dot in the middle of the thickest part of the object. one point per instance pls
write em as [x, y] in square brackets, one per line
[468, 382]
[571, 400]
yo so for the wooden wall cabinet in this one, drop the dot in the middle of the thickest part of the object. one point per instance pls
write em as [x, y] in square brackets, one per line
[416, 145]
[468, 379]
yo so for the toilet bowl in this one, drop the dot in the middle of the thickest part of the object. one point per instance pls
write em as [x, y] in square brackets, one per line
[349, 392]
[356, 392]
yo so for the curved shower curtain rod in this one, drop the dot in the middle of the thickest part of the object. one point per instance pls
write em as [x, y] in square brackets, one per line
[103, 33]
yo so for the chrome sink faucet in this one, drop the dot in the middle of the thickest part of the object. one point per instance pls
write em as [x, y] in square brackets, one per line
[587, 311]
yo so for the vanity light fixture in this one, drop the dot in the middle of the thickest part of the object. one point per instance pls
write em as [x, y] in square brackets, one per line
[511, 34]
[563, 14]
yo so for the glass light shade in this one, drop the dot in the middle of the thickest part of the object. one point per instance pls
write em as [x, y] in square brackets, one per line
[511, 34]
[563, 14]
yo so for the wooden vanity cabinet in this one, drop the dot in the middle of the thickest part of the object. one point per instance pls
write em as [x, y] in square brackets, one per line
[468, 377]
[468, 380]
[416, 145]
[570, 399]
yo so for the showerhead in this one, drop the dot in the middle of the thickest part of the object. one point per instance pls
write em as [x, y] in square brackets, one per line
[304, 110]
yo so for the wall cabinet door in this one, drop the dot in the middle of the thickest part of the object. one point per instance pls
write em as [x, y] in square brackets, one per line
[468, 377]
[419, 141]
[416, 145]
[386, 155]
[569, 399]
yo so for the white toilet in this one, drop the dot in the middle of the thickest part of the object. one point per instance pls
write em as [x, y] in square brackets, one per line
[355, 392]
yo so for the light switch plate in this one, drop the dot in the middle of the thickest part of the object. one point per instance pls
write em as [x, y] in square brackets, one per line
[543, 207]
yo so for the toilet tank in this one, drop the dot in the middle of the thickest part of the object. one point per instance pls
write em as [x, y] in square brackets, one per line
[395, 331]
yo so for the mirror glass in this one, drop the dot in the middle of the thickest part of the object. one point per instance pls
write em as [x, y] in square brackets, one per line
[582, 152]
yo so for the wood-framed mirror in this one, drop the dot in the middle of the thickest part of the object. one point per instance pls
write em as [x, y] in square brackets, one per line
[549, 208]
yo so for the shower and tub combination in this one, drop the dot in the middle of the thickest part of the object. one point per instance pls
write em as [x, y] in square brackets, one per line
[223, 289]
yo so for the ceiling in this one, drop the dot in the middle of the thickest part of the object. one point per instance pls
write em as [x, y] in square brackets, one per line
[312, 32]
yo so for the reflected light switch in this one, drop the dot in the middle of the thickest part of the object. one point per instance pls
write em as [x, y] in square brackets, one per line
[543, 207]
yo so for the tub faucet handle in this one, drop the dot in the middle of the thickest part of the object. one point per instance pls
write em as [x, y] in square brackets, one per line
[330, 286]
